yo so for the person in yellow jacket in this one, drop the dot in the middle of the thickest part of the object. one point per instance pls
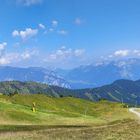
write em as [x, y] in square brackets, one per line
[33, 108]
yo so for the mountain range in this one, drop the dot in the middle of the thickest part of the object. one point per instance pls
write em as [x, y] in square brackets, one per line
[86, 76]
[125, 91]
[101, 73]
[36, 74]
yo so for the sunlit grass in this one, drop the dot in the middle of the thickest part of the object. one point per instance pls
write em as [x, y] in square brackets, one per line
[60, 118]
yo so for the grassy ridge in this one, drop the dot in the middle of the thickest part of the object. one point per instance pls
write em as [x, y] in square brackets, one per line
[58, 111]
[64, 118]
[125, 90]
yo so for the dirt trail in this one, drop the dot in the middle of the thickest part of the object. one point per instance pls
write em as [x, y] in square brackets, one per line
[133, 110]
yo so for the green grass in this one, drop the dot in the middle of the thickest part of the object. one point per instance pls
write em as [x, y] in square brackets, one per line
[58, 111]
[126, 130]
[59, 118]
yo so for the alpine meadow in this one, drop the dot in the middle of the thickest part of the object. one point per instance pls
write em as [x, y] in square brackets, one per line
[69, 70]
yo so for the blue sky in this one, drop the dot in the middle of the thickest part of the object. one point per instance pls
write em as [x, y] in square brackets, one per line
[68, 33]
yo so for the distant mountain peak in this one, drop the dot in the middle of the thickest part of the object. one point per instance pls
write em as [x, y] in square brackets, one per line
[36, 74]
[103, 72]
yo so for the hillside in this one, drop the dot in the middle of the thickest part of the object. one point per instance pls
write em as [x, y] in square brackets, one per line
[61, 118]
[125, 91]
[57, 111]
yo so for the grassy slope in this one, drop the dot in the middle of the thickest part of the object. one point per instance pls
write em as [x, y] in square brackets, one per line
[64, 118]
[58, 111]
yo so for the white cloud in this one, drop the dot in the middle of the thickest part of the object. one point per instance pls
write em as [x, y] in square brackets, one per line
[62, 32]
[51, 29]
[26, 34]
[15, 33]
[42, 26]
[29, 2]
[3, 46]
[7, 58]
[54, 23]
[125, 73]
[65, 57]
[12, 57]
[28, 54]
[136, 52]
[78, 21]
[79, 52]
[121, 53]
[4, 61]
[65, 53]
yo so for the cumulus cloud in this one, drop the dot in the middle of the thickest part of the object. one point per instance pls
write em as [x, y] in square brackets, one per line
[4, 61]
[54, 23]
[26, 34]
[136, 52]
[12, 57]
[29, 2]
[7, 58]
[3, 46]
[65, 57]
[121, 53]
[62, 32]
[51, 30]
[125, 53]
[65, 53]
[28, 54]
[79, 52]
[42, 26]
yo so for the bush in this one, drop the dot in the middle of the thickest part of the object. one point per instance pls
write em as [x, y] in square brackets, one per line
[61, 96]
